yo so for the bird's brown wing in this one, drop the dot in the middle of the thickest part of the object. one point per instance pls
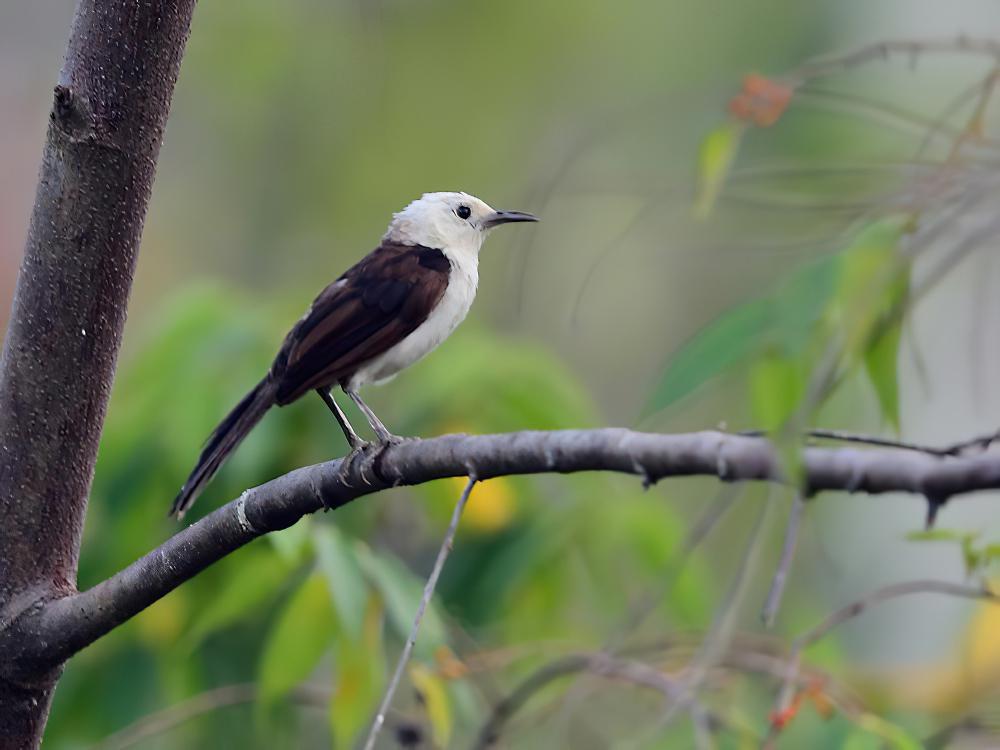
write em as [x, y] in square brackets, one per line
[373, 306]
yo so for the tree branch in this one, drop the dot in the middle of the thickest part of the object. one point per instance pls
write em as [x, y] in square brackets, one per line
[46, 632]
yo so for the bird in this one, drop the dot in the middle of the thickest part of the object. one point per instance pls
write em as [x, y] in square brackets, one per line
[387, 311]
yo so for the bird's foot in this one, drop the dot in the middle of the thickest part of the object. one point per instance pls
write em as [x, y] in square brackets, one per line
[369, 462]
[359, 450]
[387, 439]
[363, 459]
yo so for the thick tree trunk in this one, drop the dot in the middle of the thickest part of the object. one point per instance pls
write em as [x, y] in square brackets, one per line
[66, 324]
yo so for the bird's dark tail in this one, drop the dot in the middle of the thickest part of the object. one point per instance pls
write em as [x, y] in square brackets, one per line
[223, 441]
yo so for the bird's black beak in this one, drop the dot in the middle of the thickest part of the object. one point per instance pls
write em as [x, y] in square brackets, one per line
[507, 217]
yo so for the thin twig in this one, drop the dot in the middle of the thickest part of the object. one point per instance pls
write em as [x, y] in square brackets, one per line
[702, 527]
[843, 436]
[404, 657]
[981, 442]
[599, 664]
[940, 124]
[881, 113]
[777, 590]
[892, 591]
[717, 640]
[913, 48]
[226, 696]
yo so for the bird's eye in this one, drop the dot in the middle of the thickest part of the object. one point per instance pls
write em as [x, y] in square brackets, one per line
[463, 211]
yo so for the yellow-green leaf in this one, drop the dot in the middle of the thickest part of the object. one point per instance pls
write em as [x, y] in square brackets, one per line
[873, 287]
[715, 159]
[292, 543]
[777, 385]
[891, 734]
[359, 676]
[303, 633]
[436, 701]
[339, 565]
[873, 281]
[401, 591]
[256, 582]
[881, 366]
[940, 535]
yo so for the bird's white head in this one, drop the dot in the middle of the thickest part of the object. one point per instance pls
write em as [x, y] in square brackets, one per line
[455, 223]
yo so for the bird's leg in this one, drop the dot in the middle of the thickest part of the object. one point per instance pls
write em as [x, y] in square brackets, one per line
[358, 445]
[384, 436]
[353, 440]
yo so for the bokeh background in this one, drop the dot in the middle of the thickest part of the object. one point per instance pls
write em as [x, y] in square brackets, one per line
[297, 128]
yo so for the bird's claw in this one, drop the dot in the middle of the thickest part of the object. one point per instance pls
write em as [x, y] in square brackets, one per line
[378, 449]
[367, 454]
[358, 451]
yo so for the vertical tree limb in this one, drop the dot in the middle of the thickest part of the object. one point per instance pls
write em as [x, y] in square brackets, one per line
[59, 355]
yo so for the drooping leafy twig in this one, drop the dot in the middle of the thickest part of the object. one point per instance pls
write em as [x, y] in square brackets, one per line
[852, 610]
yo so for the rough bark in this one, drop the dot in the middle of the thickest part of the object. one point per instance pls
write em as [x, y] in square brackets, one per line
[58, 361]
[53, 630]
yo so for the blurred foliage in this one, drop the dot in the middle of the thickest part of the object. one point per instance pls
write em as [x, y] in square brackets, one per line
[831, 316]
[537, 559]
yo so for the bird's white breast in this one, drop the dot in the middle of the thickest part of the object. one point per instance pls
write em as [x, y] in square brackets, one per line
[463, 279]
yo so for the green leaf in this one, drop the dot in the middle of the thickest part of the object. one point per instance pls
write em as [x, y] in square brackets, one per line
[891, 734]
[339, 565]
[783, 321]
[717, 347]
[255, 582]
[971, 557]
[360, 673]
[881, 365]
[401, 592]
[940, 535]
[292, 543]
[777, 385]
[873, 289]
[715, 159]
[873, 282]
[303, 633]
[800, 302]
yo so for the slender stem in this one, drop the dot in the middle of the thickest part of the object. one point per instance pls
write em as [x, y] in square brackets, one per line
[599, 664]
[777, 590]
[913, 48]
[226, 696]
[404, 657]
[717, 640]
